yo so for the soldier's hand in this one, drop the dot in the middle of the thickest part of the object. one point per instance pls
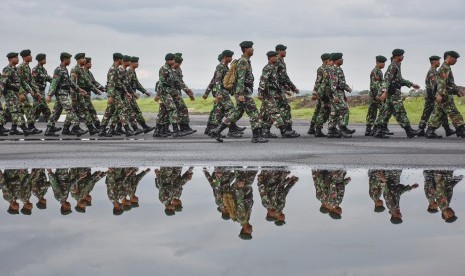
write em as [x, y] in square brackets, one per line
[349, 90]
[148, 94]
[260, 97]
[205, 96]
[383, 96]
[241, 98]
[110, 100]
[48, 99]
[416, 86]
[157, 98]
[336, 100]
[192, 97]
[414, 186]
[297, 91]
[22, 97]
[438, 98]
[128, 96]
[219, 97]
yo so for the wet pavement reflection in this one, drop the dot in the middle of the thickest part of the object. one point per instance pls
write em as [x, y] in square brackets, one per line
[203, 212]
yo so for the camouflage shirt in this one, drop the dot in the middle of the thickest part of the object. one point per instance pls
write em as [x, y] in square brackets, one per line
[393, 80]
[41, 77]
[115, 81]
[220, 72]
[180, 85]
[9, 80]
[25, 76]
[134, 81]
[269, 83]
[446, 83]
[328, 83]
[61, 83]
[431, 82]
[245, 78]
[319, 77]
[166, 78]
[376, 82]
[283, 78]
[82, 79]
[94, 81]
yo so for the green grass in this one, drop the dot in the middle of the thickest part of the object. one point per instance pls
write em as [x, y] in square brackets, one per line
[414, 107]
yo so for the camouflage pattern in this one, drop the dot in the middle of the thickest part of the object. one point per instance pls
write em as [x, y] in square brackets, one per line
[337, 86]
[40, 77]
[39, 182]
[117, 88]
[166, 89]
[375, 184]
[446, 108]
[13, 182]
[135, 85]
[170, 182]
[181, 107]
[88, 100]
[134, 180]
[61, 184]
[286, 85]
[223, 107]
[27, 87]
[393, 190]
[268, 89]
[115, 182]
[83, 181]
[321, 183]
[323, 91]
[336, 191]
[220, 181]
[80, 77]
[320, 76]
[274, 186]
[343, 87]
[243, 195]
[374, 105]
[9, 86]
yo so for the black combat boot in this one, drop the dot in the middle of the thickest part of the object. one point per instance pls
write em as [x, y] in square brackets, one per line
[92, 130]
[207, 129]
[211, 127]
[177, 132]
[311, 130]
[97, 125]
[386, 130]
[55, 129]
[66, 130]
[14, 130]
[216, 132]
[188, 127]
[3, 129]
[332, 132]
[146, 128]
[285, 133]
[380, 133]
[257, 136]
[185, 128]
[421, 132]
[344, 129]
[119, 129]
[159, 131]
[33, 130]
[112, 131]
[318, 132]
[289, 128]
[368, 131]
[103, 132]
[78, 131]
[128, 131]
[449, 131]
[344, 132]
[25, 130]
[430, 134]
[166, 130]
[49, 132]
[237, 128]
[460, 131]
[137, 130]
[410, 131]
[374, 130]
[234, 133]
[266, 133]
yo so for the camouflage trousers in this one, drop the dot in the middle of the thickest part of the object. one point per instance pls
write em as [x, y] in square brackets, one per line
[374, 106]
[222, 108]
[63, 102]
[135, 112]
[443, 110]
[2, 117]
[27, 108]
[284, 109]
[115, 111]
[14, 106]
[338, 113]
[322, 115]
[91, 109]
[316, 113]
[250, 108]
[427, 111]
[215, 114]
[168, 112]
[393, 106]
[183, 113]
[82, 110]
[270, 112]
[41, 107]
[345, 120]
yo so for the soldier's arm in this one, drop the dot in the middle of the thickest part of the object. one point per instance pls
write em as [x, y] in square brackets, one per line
[241, 72]
[319, 79]
[22, 80]
[217, 81]
[55, 81]
[263, 81]
[388, 77]
[374, 85]
[287, 81]
[442, 82]
[4, 79]
[139, 85]
[333, 79]
[111, 83]
[210, 86]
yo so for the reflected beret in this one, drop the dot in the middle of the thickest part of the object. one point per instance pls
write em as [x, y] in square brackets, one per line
[134, 59]
[118, 56]
[335, 56]
[126, 58]
[434, 58]
[178, 59]
[325, 56]
[12, 55]
[453, 54]
[272, 53]
[65, 55]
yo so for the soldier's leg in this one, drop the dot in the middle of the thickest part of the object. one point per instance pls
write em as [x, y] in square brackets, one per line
[71, 117]
[57, 110]
[27, 110]
[316, 114]
[182, 110]
[371, 115]
[427, 110]
[17, 116]
[90, 107]
[399, 111]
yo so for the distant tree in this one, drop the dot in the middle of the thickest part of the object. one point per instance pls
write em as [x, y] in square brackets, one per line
[364, 92]
[416, 93]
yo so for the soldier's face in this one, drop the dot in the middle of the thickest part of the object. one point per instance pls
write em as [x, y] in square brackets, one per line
[282, 53]
[227, 59]
[176, 65]
[381, 65]
[135, 64]
[67, 61]
[43, 62]
[28, 58]
[14, 60]
[170, 62]
[273, 60]
[249, 51]
[89, 65]
[451, 60]
[81, 61]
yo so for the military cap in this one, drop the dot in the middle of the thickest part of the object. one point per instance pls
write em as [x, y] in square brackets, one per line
[134, 59]
[280, 47]
[79, 55]
[40, 57]
[453, 54]
[65, 55]
[169, 56]
[220, 57]
[126, 58]
[12, 55]
[246, 44]
[381, 59]
[25, 53]
[434, 58]
[178, 54]
[397, 52]
[88, 59]
[325, 56]
[178, 59]
[118, 56]
[335, 56]
[227, 53]
[272, 53]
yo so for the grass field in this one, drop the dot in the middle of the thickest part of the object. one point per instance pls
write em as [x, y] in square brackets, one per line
[414, 107]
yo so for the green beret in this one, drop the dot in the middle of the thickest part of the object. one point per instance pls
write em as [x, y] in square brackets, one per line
[134, 59]
[335, 56]
[246, 44]
[126, 58]
[325, 56]
[25, 53]
[12, 55]
[178, 54]
[431, 58]
[220, 57]
[227, 53]
[280, 47]
[381, 59]
[272, 53]
[65, 55]
[40, 57]
[88, 59]
[453, 54]
[79, 55]
[397, 52]
[178, 59]
[169, 56]
[118, 56]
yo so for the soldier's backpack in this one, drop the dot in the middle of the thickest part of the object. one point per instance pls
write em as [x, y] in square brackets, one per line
[230, 204]
[231, 76]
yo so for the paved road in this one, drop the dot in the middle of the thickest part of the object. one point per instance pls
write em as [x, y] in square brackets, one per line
[198, 149]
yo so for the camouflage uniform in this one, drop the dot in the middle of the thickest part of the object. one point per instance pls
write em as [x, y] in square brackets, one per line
[165, 184]
[393, 190]
[446, 108]
[135, 85]
[337, 185]
[178, 99]
[88, 100]
[286, 85]
[133, 182]
[40, 78]
[27, 87]
[269, 88]
[117, 89]
[166, 89]
[274, 185]
[430, 98]
[40, 184]
[64, 90]
[115, 184]
[320, 76]
[61, 184]
[80, 77]
[10, 86]
[323, 88]
[374, 105]
[321, 183]
[225, 106]
[220, 181]
[445, 182]
[339, 109]
[12, 183]
[376, 186]
[243, 196]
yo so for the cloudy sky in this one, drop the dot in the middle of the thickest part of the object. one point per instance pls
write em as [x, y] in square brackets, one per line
[201, 29]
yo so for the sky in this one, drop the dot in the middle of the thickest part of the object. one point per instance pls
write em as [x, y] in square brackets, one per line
[201, 29]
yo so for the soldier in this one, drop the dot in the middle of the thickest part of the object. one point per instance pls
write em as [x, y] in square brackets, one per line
[115, 189]
[375, 189]
[376, 82]
[80, 77]
[170, 182]
[40, 77]
[220, 181]
[116, 89]
[321, 183]
[136, 85]
[9, 86]
[431, 87]
[268, 89]
[65, 92]
[12, 182]
[323, 96]
[445, 182]
[339, 107]
[28, 87]
[40, 186]
[133, 183]
[178, 99]
[88, 99]
[393, 82]
[445, 105]
[61, 185]
[287, 87]
[83, 182]
[336, 191]
[3, 131]
[319, 104]
[243, 89]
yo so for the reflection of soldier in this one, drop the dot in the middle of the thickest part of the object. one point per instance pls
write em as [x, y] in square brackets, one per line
[132, 183]
[274, 185]
[61, 185]
[13, 182]
[40, 186]
[115, 188]
[439, 186]
[83, 183]
[392, 192]
[321, 182]
[337, 187]
[170, 182]
[220, 181]
[376, 189]
[240, 202]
